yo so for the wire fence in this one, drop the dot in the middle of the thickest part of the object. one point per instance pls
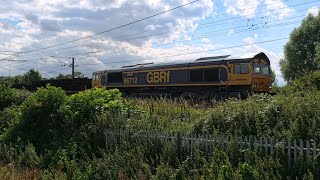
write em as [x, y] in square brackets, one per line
[188, 143]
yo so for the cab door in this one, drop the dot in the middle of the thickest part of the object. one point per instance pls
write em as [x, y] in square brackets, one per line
[96, 80]
[240, 74]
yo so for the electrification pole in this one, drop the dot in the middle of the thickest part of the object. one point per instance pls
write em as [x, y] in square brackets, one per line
[72, 66]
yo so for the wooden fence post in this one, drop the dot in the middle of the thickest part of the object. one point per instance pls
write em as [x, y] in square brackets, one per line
[261, 145]
[295, 150]
[265, 145]
[301, 148]
[210, 144]
[206, 139]
[283, 147]
[214, 141]
[289, 153]
[246, 142]
[271, 146]
[191, 144]
[277, 148]
[314, 153]
[188, 142]
[178, 139]
[106, 138]
[308, 152]
[201, 142]
[250, 142]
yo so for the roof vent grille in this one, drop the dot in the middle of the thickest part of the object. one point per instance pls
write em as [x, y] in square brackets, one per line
[212, 58]
[140, 64]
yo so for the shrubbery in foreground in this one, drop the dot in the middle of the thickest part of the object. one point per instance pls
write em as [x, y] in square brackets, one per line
[296, 116]
[63, 136]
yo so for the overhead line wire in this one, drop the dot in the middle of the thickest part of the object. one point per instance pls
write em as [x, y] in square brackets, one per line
[219, 33]
[201, 35]
[198, 37]
[92, 44]
[149, 18]
[112, 29]
[211, 50]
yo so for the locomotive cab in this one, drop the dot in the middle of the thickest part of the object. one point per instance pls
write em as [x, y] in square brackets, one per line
[97, 79]
[261, 75]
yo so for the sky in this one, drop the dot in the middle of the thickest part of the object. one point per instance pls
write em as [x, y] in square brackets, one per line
[240, 28]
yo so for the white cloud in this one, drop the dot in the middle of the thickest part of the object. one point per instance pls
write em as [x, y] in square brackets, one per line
[278, 8]
[33, 24]
[206, 40]
[314, 11]
[246, 8]
[152, 27]
[248, 40]
[231, 31]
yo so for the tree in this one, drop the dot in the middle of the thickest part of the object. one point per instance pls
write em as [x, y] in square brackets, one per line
[77, 74]
[274, 79]
[32, 76]
[300, 52]
[318, 55]
[10, 80]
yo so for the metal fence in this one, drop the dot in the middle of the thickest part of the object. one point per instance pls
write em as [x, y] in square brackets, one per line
[291, 149]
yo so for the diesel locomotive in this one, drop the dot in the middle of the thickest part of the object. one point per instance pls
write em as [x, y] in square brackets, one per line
[218, 76]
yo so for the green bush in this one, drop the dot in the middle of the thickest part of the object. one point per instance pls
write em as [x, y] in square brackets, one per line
[9, 153]
[83, 106]
[248, 172]
[84, 110]
[24, 156]
[41, 122]
[308, 82]
[122, 164]
[8, 117]
[7, 96]
[20, 96]
[29, 158]
[296, 116]
[164, 172]
[10, 96]
[48, 129]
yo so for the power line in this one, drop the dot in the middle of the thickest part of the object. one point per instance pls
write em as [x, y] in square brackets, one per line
[202, 25]
[221, 34]
[198, 37]
[198, 52]
[207, 25]
[142, 59]
[145, 19]
[157, 45]
[56, 70]
[217, 33]
[112, 29]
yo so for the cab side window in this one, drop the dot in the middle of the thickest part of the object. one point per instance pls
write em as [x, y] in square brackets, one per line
[237, 69]
[95, 77]
[241, 69]
[244, 68]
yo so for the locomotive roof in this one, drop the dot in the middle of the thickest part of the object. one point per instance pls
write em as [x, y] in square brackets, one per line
[198, 62]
